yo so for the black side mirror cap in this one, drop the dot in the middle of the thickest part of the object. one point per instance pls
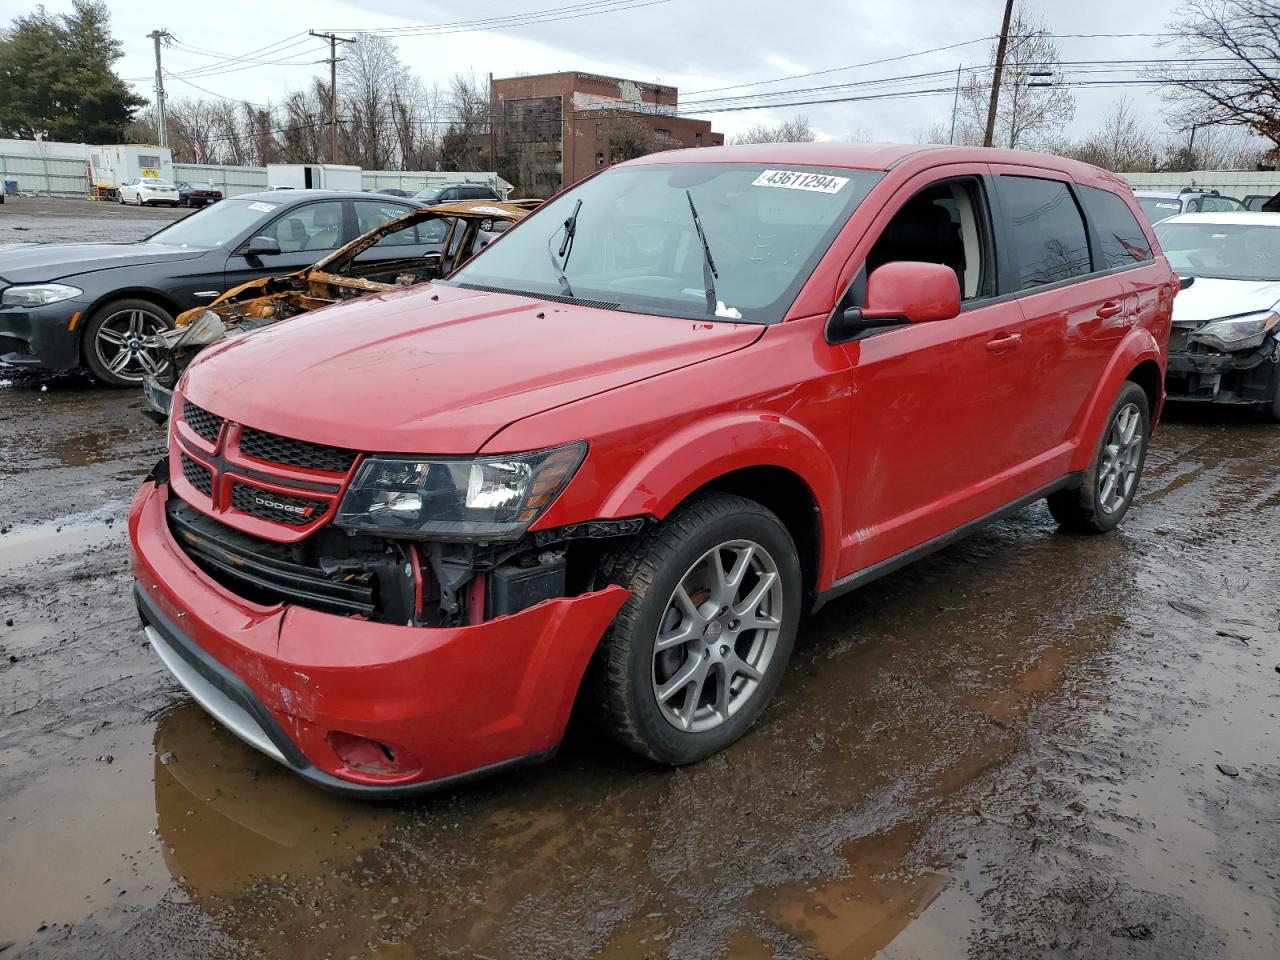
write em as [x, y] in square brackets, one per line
[850, 322]
[262, 247]
[1184, 282]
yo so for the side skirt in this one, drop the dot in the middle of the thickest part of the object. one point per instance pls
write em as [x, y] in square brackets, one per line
[887, 566]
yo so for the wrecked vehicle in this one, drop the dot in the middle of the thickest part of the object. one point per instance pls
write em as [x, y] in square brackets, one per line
[619, 453]
[458, 230]
[1225, 343]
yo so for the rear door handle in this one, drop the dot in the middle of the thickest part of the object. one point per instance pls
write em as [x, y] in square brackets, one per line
[1004, 342]
[1109, 309]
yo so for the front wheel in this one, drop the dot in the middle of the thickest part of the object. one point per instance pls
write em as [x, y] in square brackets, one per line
[119, 342]
[1111, 482]
[698, 649]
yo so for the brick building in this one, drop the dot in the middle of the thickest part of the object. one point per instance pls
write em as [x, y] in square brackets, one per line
[556, 128]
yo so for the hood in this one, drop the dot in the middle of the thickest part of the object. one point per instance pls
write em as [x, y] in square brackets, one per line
[439, 370]
[42, 262]
[1209, 299]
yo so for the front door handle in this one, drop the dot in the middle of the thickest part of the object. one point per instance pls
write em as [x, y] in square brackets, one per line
[1004, 342]
[1109, 309]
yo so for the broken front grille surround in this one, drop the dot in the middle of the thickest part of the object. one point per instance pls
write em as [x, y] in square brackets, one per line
[257, 482]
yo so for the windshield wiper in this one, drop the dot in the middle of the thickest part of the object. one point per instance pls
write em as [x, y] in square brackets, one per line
[709, 274]
[566, 250]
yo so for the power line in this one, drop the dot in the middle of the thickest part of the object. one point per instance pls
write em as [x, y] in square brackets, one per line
[549, 15]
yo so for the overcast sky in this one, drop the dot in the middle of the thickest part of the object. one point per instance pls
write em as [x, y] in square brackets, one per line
[692, 44]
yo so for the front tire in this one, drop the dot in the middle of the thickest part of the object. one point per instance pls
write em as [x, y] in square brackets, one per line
[698, 649]
[1111, 482]
[117, 346]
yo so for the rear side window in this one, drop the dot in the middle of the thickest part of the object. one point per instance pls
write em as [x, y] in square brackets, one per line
[1047, 232]
[1121, 239]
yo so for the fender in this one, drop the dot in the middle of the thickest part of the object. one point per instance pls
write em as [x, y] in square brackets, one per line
[1137, 347]
[700, 452]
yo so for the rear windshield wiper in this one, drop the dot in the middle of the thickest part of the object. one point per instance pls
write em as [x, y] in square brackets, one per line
[709, 274]
[566, 249]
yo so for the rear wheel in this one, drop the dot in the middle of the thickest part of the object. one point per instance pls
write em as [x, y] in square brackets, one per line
[119, 342]
[1111, 482]
[696, 652]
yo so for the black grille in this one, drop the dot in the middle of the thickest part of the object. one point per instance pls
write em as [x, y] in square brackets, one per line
[197, 475]
[268, 572]
[295, 453]
[201, 421]
[295, 511]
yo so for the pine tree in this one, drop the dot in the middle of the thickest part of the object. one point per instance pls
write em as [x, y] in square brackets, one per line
[56, 74]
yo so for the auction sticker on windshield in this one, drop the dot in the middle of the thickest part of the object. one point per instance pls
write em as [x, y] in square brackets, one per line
[264, 207]
[799, 180]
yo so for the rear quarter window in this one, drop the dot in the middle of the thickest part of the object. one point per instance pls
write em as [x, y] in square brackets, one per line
[1047, 231]
[1120, 238]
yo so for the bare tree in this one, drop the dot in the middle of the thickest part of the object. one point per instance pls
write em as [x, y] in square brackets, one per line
[1244, 92]
[1123, 143]
[1216, 148]
[368, 77]
[795, 130]
[631, 137]
[1030, 114]
[463, 144]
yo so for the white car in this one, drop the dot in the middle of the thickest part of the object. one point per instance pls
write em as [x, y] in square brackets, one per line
[1225, 343]
[145, 190]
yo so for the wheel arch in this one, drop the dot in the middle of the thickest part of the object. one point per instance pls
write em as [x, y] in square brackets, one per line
[1138, 357]
[770, 459]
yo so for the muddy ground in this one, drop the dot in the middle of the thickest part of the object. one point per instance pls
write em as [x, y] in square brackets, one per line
[1029, 745]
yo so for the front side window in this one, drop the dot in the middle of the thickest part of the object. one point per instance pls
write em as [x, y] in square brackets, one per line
[634, 240]
[1047, 232]
[371, 215]
[313, 226]
[1225, 251]
[1121, 238]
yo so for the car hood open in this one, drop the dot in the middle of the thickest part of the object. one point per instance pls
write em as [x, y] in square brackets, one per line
[439, 369]
[42, 262]
[1209, 298]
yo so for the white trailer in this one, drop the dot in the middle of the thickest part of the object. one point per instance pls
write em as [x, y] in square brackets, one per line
[110, 166]
[312, 176]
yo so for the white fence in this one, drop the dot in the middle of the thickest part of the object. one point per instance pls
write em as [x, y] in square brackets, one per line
[232, 181]
[51, 176]
[1232, 183]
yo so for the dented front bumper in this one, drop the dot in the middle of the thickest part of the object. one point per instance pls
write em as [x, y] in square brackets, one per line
[302, 686]
[1246, 377]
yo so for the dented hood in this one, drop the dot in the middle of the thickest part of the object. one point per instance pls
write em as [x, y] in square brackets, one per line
[1210, 298]
[405, 372]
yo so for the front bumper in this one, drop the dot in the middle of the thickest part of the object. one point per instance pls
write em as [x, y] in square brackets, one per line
[462, 702]
[42, 336]
[1247, 377]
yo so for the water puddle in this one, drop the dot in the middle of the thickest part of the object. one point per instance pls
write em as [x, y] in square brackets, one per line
[68, 536]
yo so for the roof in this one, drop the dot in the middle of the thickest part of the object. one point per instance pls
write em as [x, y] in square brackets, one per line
[1246, 217]
[874, 156]
[294, 196]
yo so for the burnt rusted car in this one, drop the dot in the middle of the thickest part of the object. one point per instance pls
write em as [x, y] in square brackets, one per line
[469, 226]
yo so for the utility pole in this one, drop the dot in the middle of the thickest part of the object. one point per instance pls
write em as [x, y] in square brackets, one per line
[162, 125]
[334, 40]
[995, 78]
[955, 106]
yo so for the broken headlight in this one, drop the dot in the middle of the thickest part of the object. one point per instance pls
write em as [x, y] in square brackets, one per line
[479, 498]
[1237, 333]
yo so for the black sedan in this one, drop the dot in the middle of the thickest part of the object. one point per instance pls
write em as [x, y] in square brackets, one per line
[99, 305]
[198, 193]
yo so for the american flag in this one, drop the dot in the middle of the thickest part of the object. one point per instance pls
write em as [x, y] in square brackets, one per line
[197, 148]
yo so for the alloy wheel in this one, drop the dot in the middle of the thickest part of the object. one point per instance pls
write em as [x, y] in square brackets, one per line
[717, 636]
[1121, 458]
[126, 347]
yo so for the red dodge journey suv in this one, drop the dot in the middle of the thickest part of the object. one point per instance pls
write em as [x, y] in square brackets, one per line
[619, 453]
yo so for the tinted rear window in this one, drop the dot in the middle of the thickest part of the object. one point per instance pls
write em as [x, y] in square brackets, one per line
[1049, 237]
[1121, 238]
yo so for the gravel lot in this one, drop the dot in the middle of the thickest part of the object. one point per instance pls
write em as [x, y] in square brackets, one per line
[1029, 745]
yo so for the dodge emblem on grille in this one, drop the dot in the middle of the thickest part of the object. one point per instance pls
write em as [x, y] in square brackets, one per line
[286, 507]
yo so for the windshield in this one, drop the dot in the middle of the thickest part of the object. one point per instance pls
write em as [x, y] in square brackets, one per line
[200, 185]
[1226, 251]
[217, 224]
[635, 238]
[1159, 208]
[428, 193]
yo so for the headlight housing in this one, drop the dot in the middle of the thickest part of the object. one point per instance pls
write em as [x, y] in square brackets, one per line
[476, 498]
[1237, 333]
[38, 294]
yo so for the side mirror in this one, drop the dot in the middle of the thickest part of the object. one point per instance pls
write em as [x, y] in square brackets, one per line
[262, 247]
[904, 291]
[1184, 282]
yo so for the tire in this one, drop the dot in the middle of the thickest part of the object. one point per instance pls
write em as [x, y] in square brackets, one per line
[1274, 409]
[102, 356]
[1097, 506]
[629, 673]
